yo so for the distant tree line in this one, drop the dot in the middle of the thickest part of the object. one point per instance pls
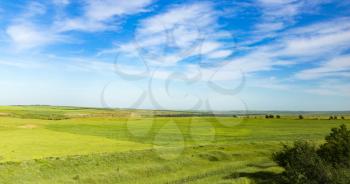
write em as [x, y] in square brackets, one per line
[195, 115]
[271, 116]
[336, 117]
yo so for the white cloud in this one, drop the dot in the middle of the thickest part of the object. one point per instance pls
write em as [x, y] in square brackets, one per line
[153, 33]
[310, 43]
[219, 54]
[105, 9]
[209, 46]
[336, 67]
[198, 15]
[330, 88]
[61, 2]
[270, 83]
[81, 24]
[306, 44]
[99, 15]
[269, 26]
[178, 33]
[277, 15]
[34, 9]
[281, 8]
[314, 40]
[26, 36]
[21, 64]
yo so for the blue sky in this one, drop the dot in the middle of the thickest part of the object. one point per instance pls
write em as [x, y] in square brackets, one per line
[189, 55]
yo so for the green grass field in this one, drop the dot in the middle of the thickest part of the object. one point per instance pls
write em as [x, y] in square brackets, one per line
[42, 144]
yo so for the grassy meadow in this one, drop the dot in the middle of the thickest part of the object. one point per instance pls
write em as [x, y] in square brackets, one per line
[44, 144]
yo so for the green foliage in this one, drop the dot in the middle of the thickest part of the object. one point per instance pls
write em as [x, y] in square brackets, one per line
[301, 117]
[336, 150]
[305, 164]
[278, 116]
[302, 165]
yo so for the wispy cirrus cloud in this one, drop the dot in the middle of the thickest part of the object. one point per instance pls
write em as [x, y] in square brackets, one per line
[330, 87]
[101, 15]
[292, 47]
[336, 67]
[25, 33]
[278, 15]
[26, 36]
[180, 32]
[326, 38]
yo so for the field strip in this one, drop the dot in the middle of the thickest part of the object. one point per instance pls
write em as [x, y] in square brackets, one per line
[27, 144]
[223, 170]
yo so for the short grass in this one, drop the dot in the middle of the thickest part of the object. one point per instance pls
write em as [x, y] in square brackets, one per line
[89, 145]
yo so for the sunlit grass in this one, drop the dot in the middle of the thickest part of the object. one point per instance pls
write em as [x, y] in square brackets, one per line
[112, 146]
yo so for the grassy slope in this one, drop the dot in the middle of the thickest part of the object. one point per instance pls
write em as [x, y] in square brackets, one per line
[103, 146]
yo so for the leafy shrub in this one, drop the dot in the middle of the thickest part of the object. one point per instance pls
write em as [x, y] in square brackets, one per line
[336, 150]
[302, 165]
[301, 117]
[305, 164]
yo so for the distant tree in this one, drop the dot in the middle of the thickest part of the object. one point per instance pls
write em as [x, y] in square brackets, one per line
[301, 117]
[278, 116]
[330, 117]
[335, 117]
[267, 116]
[342, 117]
[271, 116]
[235, 116]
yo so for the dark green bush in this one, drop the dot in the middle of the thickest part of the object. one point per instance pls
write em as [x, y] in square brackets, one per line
[336, 150]
[305, 164]
[302, 165]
